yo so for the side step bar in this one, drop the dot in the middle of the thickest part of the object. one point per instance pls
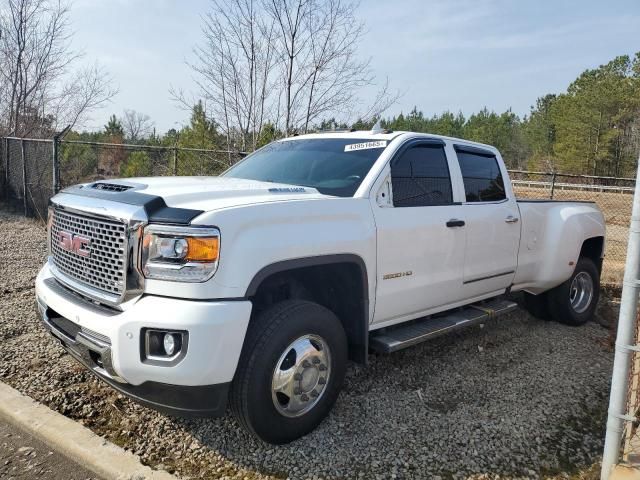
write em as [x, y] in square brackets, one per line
[405, 335]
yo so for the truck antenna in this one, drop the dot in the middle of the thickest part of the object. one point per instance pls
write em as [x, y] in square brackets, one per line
[377, 128]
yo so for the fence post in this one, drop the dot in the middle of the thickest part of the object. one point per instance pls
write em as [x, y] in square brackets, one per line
[24, 177]
[175, 160]
[624, 342]
[553, 183]
[6, 167]
[55, 165]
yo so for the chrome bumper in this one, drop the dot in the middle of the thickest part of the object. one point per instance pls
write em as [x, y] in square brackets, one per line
[91, 349]
[95, 354]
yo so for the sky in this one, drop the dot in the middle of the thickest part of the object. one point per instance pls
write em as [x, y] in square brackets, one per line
[456, 55]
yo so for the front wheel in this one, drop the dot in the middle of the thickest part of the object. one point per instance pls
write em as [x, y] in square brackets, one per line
[574, 302]
[290, 371]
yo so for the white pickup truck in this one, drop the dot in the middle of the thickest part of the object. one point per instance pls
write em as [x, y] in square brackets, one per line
[253, 289]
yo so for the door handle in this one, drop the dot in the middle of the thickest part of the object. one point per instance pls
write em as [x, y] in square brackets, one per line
[511, 219]
[454, 222]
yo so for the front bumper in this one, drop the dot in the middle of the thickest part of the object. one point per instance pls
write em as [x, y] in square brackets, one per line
[108, 342]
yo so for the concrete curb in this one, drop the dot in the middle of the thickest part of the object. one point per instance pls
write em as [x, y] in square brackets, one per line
[73, 440]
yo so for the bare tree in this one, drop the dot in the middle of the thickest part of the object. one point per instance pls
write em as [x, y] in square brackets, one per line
[383, 100]
[38, 86]
[288, 63]
[233, 67]
[136, 125]
[317, 49]
[291, 17]
[87, 90]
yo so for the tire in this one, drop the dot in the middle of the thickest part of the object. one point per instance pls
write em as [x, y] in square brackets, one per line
[537, 305]
[567, 304]
[278, 342]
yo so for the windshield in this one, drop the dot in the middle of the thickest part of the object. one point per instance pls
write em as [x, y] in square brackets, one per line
[334, 166]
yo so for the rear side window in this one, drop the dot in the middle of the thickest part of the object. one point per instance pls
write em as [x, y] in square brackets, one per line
[482, 178]
[420, 177]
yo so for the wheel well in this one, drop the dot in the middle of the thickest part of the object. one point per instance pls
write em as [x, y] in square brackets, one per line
[341, 287]
[593, 248]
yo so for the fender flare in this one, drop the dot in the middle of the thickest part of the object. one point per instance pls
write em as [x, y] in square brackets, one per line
[359, 336]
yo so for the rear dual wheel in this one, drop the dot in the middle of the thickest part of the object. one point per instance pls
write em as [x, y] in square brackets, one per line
[572, 302]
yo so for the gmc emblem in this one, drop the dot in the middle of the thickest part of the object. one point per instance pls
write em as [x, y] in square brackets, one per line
[74, 243]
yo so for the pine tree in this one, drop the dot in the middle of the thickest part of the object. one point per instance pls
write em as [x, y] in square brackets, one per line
[114, 128]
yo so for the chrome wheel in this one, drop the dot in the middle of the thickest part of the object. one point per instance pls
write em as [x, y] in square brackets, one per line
[301, 376]
[581, 292]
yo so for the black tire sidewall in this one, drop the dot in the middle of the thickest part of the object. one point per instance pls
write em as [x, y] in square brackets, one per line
[263, 417]
[559, 298]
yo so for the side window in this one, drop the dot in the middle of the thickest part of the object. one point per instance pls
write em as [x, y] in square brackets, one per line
[420, 177]
[482, 178]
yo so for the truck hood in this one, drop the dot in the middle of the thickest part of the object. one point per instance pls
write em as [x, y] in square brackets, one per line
[213, 193]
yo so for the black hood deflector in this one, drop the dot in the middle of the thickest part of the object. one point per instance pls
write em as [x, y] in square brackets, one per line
[154, 206]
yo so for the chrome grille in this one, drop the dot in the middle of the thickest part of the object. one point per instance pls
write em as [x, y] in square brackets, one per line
[105, 267]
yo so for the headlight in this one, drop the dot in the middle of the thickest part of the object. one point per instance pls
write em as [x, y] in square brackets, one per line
[183, 254]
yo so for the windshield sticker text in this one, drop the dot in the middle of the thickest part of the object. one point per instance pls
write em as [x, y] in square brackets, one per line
[287, 190]
[365, 145]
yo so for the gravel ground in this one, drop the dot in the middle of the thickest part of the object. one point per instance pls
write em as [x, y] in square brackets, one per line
[514, 398]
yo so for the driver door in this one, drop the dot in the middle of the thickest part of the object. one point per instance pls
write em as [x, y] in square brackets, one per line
[421, 236]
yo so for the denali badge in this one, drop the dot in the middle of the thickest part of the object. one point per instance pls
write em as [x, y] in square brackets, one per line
[74, 243]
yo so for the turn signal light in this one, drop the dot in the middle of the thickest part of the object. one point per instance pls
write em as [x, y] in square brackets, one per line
[202, 249]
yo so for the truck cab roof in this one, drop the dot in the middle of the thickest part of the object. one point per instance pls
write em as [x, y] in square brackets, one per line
[388, 135]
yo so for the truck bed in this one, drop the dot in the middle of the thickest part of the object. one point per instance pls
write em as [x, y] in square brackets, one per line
[543, 200]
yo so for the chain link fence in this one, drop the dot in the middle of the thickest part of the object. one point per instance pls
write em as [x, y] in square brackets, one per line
[33, 170]
[27, 167]
[630, 451]
[88, 161]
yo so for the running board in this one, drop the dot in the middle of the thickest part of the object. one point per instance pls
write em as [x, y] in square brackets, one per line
[405, 335]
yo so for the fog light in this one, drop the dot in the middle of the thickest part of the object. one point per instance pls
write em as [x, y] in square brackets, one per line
[163, 346]
[169, 343]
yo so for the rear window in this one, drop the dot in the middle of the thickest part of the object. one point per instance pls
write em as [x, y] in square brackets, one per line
[482, 177]
[334, 166]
